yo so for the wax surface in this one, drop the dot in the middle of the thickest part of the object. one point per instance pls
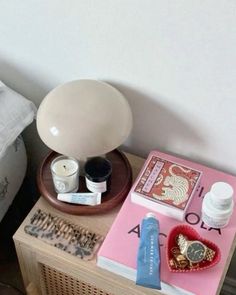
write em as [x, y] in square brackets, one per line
[65, 167]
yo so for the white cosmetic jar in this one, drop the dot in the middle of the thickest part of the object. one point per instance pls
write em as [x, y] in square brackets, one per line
[217, 206]
[222, 194]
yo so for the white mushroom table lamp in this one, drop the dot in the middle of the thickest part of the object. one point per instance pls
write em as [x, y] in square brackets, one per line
[84, 119]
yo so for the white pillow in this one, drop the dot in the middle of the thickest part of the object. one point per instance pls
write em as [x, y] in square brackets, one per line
[16, 112]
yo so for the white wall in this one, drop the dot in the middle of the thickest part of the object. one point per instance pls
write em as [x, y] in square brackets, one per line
[174, 60]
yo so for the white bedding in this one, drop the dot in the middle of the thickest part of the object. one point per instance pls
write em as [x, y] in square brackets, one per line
[12, 171]
[16, 113]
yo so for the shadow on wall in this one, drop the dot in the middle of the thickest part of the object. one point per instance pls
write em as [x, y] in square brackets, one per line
[157, 127]
[25, 84]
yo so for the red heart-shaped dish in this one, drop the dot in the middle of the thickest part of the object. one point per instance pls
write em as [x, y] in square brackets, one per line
[191, 234]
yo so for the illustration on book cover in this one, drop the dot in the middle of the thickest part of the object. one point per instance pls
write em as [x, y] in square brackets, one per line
[168, 182]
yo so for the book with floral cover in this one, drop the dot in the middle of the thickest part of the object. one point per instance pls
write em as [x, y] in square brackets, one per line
[118, 252]
[166, 186]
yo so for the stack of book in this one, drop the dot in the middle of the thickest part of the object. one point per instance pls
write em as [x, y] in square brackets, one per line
[119, 250]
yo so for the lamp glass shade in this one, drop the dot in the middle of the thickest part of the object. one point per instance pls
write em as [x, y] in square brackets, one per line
[84, 118]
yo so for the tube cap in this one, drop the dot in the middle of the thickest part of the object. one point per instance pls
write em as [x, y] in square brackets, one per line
[150, 214]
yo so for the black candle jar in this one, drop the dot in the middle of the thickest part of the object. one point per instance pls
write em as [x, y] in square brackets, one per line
[97, 174]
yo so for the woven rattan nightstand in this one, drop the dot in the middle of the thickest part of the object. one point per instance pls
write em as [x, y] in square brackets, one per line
[55, 272]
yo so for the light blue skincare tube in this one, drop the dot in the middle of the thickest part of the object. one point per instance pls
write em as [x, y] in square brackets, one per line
[81, 198]
[148, 260]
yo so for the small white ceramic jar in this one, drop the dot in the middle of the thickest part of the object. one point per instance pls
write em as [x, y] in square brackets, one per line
[217, 205]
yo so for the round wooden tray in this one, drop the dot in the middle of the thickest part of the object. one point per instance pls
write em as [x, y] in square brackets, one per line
[121, 180]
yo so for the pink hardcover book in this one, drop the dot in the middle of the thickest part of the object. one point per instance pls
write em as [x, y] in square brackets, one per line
[119, 250]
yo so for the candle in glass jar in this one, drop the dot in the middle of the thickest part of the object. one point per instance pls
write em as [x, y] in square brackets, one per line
[65, 174]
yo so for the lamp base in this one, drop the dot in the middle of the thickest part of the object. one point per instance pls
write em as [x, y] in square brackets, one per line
[121, 181]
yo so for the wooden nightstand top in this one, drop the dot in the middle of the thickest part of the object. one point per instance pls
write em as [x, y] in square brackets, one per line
[33, 253]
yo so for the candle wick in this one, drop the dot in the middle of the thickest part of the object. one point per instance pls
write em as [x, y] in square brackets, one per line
[64, 167]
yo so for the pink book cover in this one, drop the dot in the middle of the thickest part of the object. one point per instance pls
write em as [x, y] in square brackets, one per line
[167, 182]
[121, 242]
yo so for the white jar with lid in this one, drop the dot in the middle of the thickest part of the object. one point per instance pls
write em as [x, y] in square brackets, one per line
[217, 206]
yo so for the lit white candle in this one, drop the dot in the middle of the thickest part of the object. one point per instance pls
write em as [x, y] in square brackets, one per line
[65, 174]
